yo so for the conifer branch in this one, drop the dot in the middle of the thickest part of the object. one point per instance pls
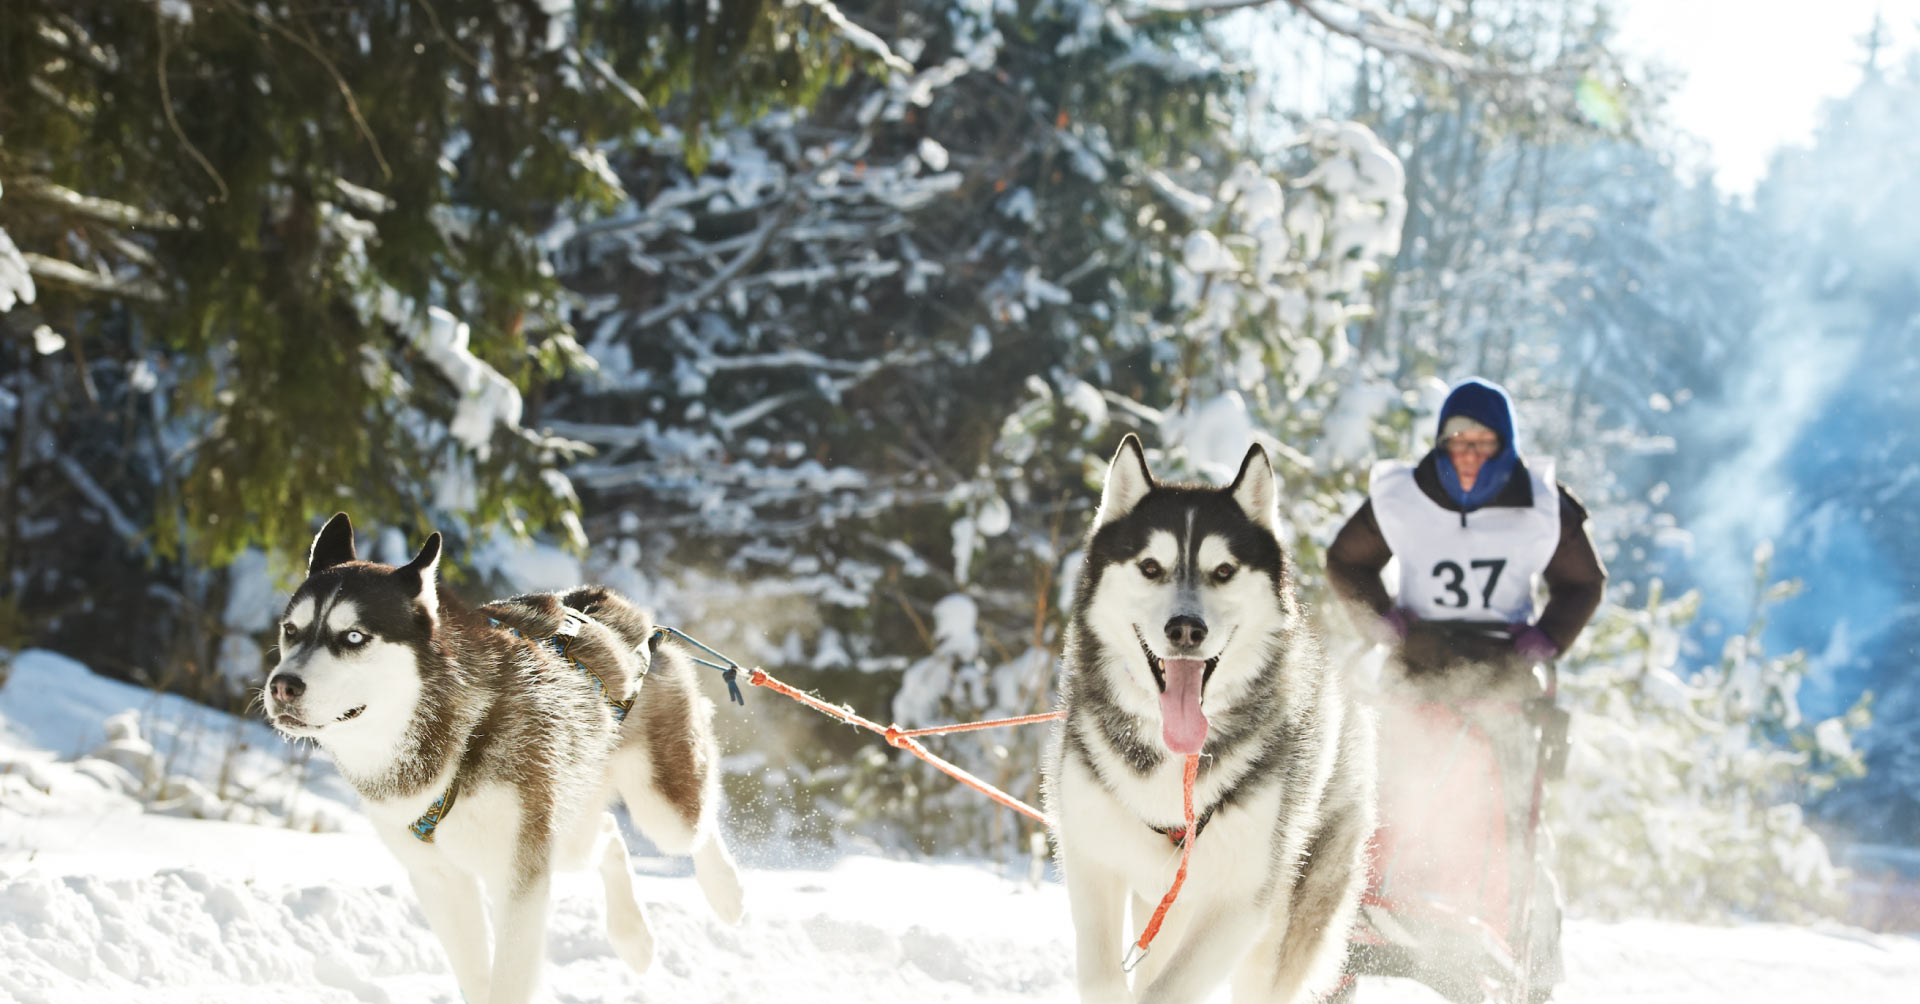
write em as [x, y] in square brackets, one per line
[166, 105]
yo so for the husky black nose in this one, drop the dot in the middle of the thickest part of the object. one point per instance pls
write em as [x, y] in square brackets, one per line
[1186, 631]
[286, 687]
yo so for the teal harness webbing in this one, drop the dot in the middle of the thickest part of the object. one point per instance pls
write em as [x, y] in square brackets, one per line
[423, 827]
[561, 643]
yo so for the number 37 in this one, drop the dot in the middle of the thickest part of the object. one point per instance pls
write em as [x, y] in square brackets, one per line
[1457, 580]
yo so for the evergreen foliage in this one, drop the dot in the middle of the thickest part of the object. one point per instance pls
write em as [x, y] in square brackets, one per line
[298, 256]
[1686, 782]
[1835, 430]
[820, 344]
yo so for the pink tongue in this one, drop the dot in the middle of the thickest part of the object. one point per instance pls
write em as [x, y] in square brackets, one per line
[1181, 723]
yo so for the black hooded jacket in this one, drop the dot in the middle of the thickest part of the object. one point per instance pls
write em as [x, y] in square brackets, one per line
[1575, 578]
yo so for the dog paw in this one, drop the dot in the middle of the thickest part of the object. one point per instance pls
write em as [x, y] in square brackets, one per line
[719, 879]
[725, 895]
[633, 943]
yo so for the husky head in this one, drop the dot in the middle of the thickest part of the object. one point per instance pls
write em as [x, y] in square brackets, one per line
[1184, 592]
[354, 642]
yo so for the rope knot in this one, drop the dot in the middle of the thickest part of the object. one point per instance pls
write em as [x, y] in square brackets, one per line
[894, 738]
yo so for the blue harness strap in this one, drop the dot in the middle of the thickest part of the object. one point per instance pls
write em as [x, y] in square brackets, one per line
[562, 643]
[423, 827]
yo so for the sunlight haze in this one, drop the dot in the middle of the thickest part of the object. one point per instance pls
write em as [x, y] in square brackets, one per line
[1757, 73]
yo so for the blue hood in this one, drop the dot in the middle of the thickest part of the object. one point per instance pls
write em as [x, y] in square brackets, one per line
[1485, 402]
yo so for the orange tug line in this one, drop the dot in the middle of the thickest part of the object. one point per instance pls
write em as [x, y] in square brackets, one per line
[904, 739]
[1139, 949]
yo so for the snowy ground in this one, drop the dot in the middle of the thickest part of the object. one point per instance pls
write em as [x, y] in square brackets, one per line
[101, 899]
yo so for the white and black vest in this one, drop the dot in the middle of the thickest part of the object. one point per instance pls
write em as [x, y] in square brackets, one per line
[1479, 566]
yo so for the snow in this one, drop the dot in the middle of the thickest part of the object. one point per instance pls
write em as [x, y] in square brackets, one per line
[16, 284]
[994, 517]
[1085, 398]
[528, 566]
[46, 341]
[965, 537]
[254, 596]
[860, 38]
[1214, 434]
[1191, 204]
[926, 683]
[933, 154]
[1347, 439]
[1831, 735]
[101, 898]
[487, 399]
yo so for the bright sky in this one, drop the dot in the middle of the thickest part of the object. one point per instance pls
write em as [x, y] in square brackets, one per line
[1757, 70]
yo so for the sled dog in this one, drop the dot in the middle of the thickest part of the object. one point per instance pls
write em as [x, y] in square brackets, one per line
[486, 745]
[1185, 637]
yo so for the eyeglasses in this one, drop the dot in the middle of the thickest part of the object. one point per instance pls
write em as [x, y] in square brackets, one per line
[1481, 447]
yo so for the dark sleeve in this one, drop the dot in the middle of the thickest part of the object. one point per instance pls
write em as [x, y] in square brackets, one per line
[1575, 579]
[1354, 560]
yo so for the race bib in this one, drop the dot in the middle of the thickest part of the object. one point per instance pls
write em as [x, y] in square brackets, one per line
[1480, 568]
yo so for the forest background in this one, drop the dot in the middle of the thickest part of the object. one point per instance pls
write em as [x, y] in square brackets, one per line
[812, 325]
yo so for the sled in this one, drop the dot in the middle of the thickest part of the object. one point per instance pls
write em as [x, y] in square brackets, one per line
[1459, 897]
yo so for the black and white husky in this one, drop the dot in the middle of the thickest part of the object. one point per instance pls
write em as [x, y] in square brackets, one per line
[1186, 637]
[487, 745]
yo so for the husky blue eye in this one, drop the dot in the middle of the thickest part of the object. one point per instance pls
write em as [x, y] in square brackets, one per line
[1150, 568]
[354, 638]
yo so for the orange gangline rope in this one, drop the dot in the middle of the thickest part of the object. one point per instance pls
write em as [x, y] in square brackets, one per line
[941, 730]
[1139, 950]
[904, 740]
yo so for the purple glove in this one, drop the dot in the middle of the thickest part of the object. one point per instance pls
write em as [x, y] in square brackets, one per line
[1391, 627]
[1533, 644]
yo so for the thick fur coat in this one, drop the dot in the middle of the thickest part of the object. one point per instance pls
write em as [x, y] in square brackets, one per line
[486, 758]
[1186, 638]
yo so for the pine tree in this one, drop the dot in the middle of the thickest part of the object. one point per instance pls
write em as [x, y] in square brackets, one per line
[1685, 783]
[291, 255]
[1843, 308]
[858, 381]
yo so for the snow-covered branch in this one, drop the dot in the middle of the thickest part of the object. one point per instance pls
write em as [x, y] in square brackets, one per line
[16, 279]
[93, 207]
[800, 358]
[82, 481]
[860, 38]
[1363, 22]
[64, 273]
[707, 290]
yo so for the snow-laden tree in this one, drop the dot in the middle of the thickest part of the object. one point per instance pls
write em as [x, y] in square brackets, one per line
[291, 256]
[1687, 778]
[854, 380]
[1831, 427]
[1551, 243]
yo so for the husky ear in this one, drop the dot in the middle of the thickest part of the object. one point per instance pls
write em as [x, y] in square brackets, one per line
[424, 571]
[333, 545]
[1254, 489]
[1128, 481]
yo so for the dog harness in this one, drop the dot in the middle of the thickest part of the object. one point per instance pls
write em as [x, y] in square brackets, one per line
[561, 642]
[423, 828]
